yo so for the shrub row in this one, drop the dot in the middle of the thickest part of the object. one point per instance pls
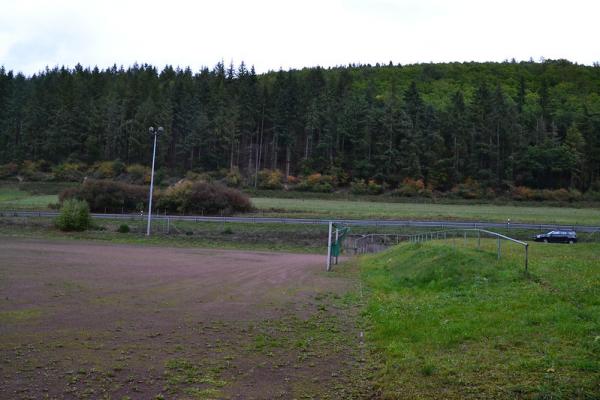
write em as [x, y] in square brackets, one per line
[184, 197]
[75, 172]
[274, 179]
[108, 196]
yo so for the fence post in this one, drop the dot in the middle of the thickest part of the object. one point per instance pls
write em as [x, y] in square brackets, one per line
[329, 246]
[526, 256]
[465, 232]
[337, 236]
[498, 247]
[478, 239]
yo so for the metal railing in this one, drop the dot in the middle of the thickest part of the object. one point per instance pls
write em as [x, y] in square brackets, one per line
[375, 242]
[318, 221]
[454, 235]
[372, 242]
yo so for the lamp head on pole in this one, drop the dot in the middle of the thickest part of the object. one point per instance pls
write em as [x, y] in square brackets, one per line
[157, 131]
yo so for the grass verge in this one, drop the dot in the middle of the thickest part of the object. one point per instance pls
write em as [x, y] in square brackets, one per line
[318, 208]
[457, 323]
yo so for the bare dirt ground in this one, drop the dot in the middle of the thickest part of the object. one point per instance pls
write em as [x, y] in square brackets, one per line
[90, 320]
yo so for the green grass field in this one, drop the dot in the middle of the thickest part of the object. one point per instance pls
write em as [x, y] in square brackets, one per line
[456, 323]
[30, 197]
[378, 210]
[12, 198]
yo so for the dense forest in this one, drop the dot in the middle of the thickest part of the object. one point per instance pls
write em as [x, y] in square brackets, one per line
[534, 124]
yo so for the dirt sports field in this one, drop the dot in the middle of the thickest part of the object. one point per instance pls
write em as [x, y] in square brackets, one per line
[89, 320]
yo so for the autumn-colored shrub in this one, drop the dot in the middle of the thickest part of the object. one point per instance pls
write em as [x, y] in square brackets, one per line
[109, 196]
[138, 174]
[358, 186]
[233, 178]
[203, 198]
[522, 193]
[8, 170]
[35, 170]
[470, 189]
[198, 176]
[270, 179]
[292, 180]
[374, 187]
[317, 183]
[108, 169]
[411, 188]
[69, 172]
[560, 195]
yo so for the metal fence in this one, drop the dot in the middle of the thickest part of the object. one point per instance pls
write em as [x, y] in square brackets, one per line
[372, 243]
[458, 234]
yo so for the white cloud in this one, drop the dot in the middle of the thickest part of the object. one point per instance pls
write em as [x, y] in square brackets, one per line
[272, 34]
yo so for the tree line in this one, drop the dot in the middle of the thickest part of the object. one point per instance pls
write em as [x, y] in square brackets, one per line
[534, 124]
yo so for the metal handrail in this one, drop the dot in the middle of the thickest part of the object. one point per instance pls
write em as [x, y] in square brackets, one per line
[423, 237]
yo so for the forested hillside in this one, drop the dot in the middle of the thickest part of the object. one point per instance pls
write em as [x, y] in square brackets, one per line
[524, 124]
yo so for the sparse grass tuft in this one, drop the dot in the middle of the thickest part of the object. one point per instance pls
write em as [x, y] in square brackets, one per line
[19, 315]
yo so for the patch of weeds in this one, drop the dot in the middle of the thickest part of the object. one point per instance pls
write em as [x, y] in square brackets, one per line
[265, 342]
[184, 375]
[427, 369]
[19, 315]
[197, 393]
[123, 228]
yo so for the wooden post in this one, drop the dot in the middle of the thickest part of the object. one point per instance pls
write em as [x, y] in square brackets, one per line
[329, 246]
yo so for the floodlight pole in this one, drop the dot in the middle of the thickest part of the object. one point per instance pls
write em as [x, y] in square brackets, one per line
[154, 133]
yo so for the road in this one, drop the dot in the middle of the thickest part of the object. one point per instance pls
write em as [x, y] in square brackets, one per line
[316, 221]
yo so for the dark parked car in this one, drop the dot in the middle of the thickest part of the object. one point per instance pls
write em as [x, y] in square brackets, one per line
[557, 237]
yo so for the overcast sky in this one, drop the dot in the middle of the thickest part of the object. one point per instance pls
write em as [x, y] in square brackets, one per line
[275, 34]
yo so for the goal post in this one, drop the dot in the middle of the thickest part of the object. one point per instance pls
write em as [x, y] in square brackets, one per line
[335, 238]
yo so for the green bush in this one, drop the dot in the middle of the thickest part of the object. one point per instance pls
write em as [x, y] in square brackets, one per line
[123, 228]
[358, 186]
[74, 216]
[375, 188]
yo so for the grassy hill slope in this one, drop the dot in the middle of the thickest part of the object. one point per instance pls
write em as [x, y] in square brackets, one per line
[457, 323]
